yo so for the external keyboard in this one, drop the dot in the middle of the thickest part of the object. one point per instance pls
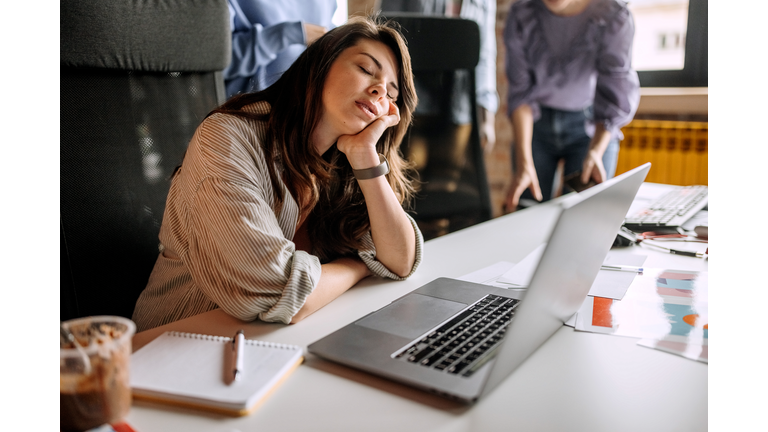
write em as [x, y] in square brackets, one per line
[670, 210]
[463, 343]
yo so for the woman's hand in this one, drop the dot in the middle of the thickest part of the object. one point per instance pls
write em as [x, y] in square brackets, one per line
[360, 148]
[523, 179]
[391, 230]
[593, 167]
[487, 130]
[524, 175]
[313, 32]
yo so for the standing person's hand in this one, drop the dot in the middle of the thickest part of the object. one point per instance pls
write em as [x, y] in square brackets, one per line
[524, 174]
[523, 179]
[313, 32]
[487, 130]
[593, 168]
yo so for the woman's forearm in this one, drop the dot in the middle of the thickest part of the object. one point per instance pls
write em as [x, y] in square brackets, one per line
[522, 125]
[337, 277]
[391, 230]
[592, 167]
[600, 140]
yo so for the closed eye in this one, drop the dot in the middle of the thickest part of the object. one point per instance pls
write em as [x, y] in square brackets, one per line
[367, 72]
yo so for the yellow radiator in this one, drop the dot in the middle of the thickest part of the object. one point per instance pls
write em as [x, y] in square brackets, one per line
[677, 151]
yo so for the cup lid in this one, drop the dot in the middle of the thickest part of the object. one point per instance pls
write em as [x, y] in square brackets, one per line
[102, 332]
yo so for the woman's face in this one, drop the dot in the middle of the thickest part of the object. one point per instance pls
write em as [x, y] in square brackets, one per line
[565, 7]
[359, 88]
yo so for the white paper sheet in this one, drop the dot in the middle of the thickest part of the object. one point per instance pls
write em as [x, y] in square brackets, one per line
[667, 309]
[614, 284]
[608, 283]
[520, 275]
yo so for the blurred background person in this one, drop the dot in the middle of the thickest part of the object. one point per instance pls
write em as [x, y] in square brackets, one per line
[445, 116]
[269, 35]
[571, 88]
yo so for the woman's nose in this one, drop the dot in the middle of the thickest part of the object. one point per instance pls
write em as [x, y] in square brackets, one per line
[378, 89]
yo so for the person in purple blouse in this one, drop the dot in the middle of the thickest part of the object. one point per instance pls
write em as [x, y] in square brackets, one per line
[571, 89]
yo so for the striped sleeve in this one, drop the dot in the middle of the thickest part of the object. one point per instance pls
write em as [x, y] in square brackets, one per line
[240, 259]
[368, 254]
[239, 254]
[223, 245]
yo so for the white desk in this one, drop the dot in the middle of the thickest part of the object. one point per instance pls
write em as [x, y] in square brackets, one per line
[575, 382]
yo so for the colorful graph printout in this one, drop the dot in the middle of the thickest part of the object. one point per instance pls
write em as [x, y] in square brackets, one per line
[676, 283]
[666, 309]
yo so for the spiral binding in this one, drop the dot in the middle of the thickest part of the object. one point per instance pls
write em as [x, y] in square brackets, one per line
[227, 339]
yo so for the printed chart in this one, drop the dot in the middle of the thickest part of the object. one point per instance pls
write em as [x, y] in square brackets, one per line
[666, 309]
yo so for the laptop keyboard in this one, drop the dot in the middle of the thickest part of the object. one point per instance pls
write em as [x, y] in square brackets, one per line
[464, 343]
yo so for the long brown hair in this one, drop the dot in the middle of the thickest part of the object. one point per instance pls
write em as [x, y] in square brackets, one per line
[324, 186]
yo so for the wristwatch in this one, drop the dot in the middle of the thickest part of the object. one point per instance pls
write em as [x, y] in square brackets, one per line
[369, 173]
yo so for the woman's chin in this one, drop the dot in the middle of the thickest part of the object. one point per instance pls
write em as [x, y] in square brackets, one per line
[358, 127]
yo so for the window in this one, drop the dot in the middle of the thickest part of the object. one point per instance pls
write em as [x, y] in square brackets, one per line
[340, 16]
[670, 46]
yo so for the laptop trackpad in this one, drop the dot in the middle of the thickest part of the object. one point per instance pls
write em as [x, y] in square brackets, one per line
[412, 315]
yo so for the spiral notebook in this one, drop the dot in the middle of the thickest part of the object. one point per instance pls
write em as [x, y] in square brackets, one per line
[190, 370]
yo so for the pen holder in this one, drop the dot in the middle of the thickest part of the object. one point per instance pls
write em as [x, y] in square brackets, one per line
[99, 393]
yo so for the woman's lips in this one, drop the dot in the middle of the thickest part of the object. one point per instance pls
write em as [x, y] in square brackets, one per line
[368, 108]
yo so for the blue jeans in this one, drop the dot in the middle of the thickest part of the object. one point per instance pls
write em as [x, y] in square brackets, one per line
[559, 135]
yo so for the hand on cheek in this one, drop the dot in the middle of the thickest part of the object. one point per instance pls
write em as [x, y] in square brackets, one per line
[392, 117]
[360, 148]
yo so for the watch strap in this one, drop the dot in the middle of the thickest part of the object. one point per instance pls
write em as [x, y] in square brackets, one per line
[369, 173]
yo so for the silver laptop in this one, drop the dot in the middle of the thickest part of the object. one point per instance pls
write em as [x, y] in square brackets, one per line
[460, 339]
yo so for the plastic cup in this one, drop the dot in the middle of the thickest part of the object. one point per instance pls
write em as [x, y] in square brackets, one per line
[101, 394]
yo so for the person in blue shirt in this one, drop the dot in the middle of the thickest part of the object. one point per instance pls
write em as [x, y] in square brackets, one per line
[268, 36]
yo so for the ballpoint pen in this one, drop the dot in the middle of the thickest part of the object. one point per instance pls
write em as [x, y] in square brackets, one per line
[680, 252]
[237, 355]
[622, 268]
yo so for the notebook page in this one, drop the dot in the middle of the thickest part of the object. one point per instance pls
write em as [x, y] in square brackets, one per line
[192, 367]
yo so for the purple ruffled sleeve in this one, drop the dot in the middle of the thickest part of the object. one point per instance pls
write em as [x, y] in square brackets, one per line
[617, 93]
[520, 80]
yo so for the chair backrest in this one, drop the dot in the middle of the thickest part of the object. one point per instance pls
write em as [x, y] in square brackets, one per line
[136, 80]
[445, 45]
[439, 43]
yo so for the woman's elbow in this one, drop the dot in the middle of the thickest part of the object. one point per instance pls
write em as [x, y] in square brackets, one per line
[402, 269]
[403, 273]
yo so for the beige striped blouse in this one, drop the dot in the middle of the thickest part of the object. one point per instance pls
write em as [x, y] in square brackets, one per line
[221, 243]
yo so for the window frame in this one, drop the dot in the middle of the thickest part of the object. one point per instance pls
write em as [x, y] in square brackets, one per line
[694, 72]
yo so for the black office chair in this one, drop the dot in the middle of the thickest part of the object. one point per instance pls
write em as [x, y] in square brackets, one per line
[438, 47]
[136, 80]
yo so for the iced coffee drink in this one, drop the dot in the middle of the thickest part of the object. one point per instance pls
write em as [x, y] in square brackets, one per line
[95, 386]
